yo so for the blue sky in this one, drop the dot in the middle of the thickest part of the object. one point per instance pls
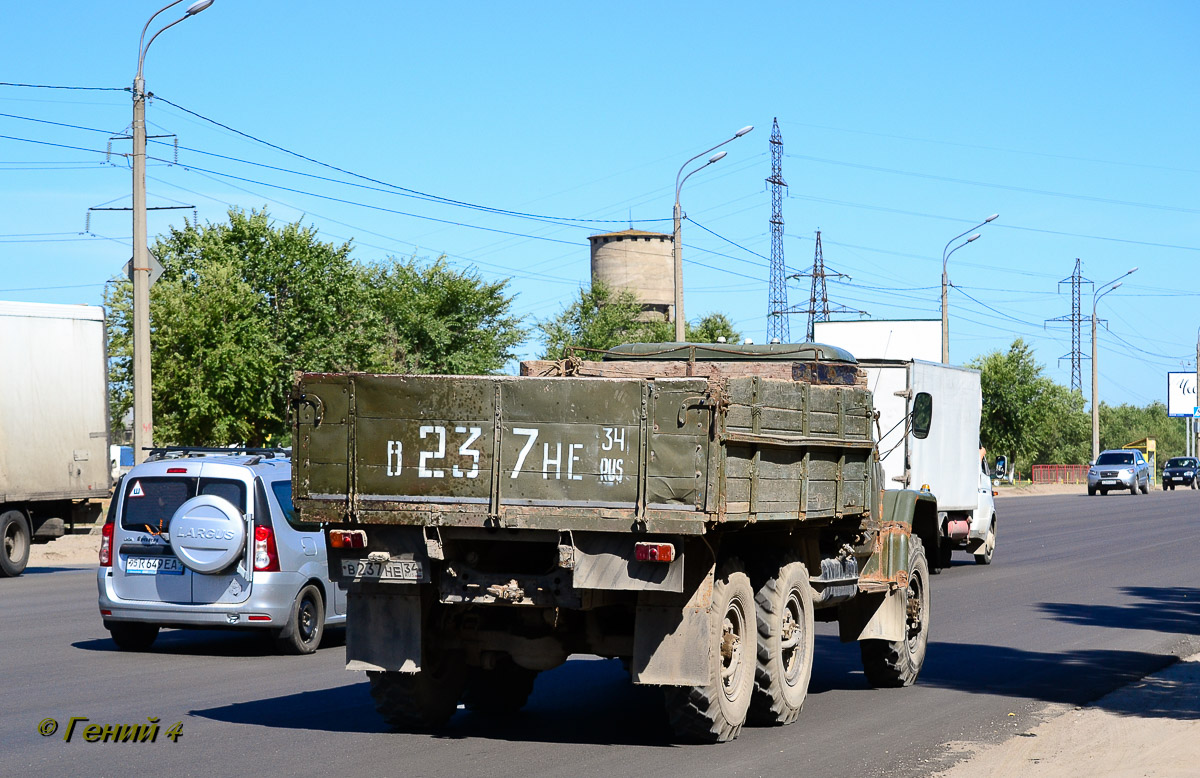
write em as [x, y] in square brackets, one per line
[903, 125]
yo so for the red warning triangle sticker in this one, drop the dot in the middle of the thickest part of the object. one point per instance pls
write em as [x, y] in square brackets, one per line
[136, 491]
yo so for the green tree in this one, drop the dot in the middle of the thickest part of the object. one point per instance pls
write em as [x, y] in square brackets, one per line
[602, 317]
[240, 306]
[1121, 425]
[438, 320]
[712, 327]
[1026, 415]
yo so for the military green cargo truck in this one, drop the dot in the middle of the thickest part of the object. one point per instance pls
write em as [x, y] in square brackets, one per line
[689, 509]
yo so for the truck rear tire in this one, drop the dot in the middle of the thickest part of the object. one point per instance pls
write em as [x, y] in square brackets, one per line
[785, 646]
[984, 555]
[898, 663]
[503, 689]
[419, 701]
[14, 543]
[716, 711]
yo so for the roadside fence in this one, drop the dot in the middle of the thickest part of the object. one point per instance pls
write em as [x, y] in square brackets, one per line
[1060, 474]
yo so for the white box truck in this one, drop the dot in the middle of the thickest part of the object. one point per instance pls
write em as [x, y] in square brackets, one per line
[901, 359]
[54, 431]
[946, 459]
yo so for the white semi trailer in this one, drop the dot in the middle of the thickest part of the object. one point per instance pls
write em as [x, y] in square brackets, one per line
[54, 424]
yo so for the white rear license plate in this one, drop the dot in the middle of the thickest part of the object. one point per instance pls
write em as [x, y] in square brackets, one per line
[153, 565]
[406, 570]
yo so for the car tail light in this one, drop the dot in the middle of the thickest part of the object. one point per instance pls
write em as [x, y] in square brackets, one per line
[654, 552]
[348, 538]
[266, 558]
[106, 543]
[176, 469]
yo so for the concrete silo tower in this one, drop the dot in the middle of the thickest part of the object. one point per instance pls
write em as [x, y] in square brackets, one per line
[640, 262]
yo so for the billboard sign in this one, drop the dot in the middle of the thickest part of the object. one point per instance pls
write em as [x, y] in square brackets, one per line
[1181, 394]
[884, 339]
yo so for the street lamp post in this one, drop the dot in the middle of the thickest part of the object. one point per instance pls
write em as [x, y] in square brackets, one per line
[143, 419]
[1101, 290]
[678, 246]
[946, 252]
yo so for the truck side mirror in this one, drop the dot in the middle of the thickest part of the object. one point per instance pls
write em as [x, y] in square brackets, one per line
[1001, 465]
[922, 415]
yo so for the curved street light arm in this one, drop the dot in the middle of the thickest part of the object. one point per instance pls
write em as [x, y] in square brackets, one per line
[142, 46]
[956, 248]
[1104, 289]
[946, 256]
[678, 183]
[689, 175]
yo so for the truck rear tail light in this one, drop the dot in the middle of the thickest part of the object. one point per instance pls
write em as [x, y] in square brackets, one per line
[348, 538]
[106, 541]
[654, 552]
[266, 558]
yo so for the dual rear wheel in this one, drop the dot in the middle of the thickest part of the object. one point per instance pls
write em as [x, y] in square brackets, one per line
[764, 648]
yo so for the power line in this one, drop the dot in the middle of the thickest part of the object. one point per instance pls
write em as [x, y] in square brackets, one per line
[730, 242]
[903, 212]
[56, 124]
[426, 195]
[82, 88]
[344, 201]
[57, 145]
[990, 185]
[998, 148]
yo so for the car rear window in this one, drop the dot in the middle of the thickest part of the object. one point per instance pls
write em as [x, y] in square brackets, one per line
[151, 502]
[1115, 458]
[283, 493]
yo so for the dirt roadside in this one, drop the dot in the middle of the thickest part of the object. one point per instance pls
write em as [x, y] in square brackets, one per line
[1149, 728]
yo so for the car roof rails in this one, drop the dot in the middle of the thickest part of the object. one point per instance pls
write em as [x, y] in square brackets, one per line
[179, 452]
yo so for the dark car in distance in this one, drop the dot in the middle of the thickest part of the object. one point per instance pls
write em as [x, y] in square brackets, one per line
[1181, 471]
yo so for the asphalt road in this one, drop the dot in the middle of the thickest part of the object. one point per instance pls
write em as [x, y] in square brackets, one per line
[1085, 595]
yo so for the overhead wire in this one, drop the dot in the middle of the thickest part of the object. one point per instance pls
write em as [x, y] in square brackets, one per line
[446, 200]
[990, 185]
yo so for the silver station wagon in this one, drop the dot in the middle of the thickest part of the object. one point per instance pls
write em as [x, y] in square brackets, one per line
[199, 538]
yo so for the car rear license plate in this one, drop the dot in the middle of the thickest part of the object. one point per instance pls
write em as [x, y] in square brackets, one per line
[153, 565]
[405, 570]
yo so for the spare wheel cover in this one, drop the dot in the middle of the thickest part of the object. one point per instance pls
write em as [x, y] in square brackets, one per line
[207, 533]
